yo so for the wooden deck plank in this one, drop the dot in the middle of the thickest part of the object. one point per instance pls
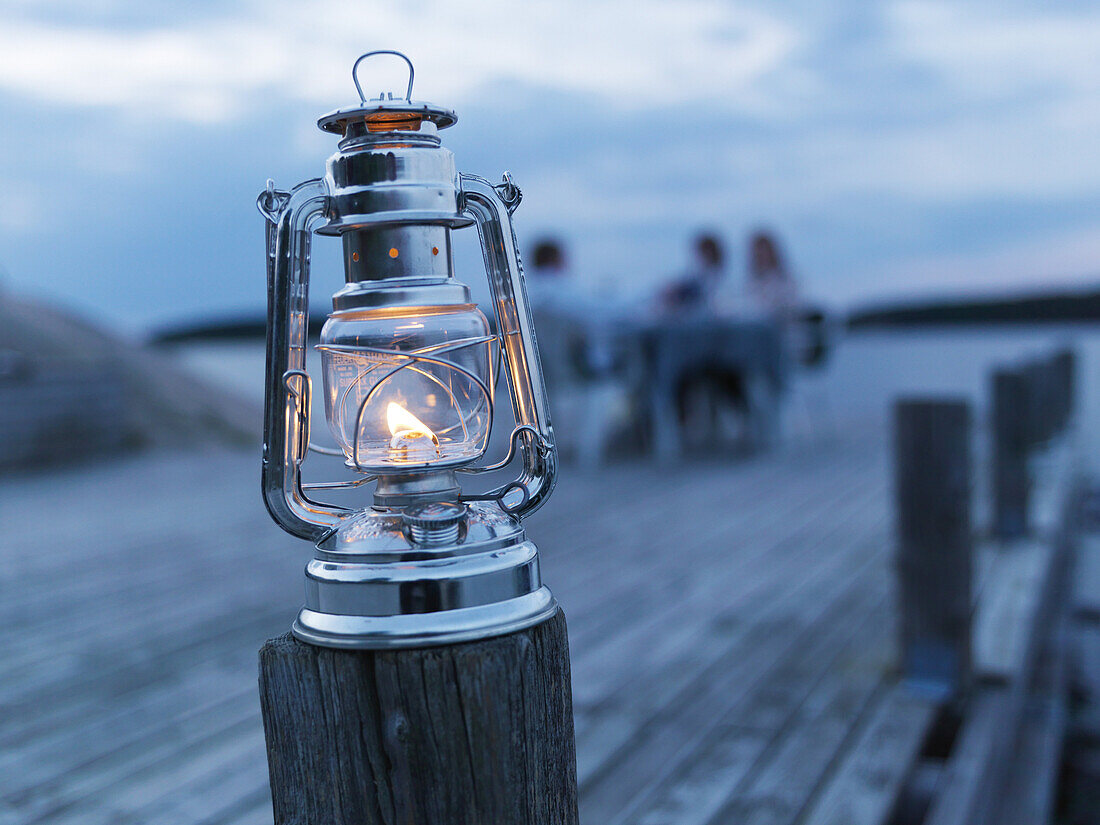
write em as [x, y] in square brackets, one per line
[803, 710]
[869, 777]
[729, 592]
[614, 723]
[1032, 781]
[653, 749]
[1014, 593]
[625, 565]
[126, 737]
[117, 742]
[117, 684]
[179, 786]
[1056, 470]
[964, 796]
[780, 788]
[253, 808]
[722, 565]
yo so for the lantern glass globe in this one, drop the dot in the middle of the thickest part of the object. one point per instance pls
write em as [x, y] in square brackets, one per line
[410, 387]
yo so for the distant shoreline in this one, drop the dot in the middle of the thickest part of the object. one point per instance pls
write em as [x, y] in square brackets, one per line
[249, 328]
[1062, 307]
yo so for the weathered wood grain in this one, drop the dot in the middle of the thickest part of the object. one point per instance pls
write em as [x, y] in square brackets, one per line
[739, 640]
[696, 587]
[785, 651]
[1006, 618]
[791, 725]
[965, 792]
[467, 733]
[1032, 782]
[868, 778]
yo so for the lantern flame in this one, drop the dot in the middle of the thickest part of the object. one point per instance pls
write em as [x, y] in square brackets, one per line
[409, 432]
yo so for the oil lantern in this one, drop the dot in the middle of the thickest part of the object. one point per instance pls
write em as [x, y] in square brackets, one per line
[409, 381]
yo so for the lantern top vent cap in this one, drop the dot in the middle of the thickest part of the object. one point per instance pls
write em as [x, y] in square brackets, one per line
[386, 112]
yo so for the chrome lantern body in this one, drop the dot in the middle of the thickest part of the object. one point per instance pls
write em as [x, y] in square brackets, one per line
[407, 361]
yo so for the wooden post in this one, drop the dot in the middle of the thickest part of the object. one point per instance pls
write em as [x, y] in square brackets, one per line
[1065, 362]
[1037, 381]
[934, 544]
[1012, 428]
[480, 732]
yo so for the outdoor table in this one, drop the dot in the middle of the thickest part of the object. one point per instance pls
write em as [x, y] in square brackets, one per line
[671, 349]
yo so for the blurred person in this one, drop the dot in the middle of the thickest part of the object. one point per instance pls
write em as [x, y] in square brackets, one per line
[770, 287]
[576, 342]
[549, 256]
[555, 294]
[773, 291]
[549, 277]
[709, 394]
[699, 287]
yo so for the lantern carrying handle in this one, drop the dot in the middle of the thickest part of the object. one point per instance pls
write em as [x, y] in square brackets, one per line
[355, 72]
[289, 225]
[491, 208]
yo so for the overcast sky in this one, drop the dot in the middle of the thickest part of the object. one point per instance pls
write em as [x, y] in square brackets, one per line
[895, 147]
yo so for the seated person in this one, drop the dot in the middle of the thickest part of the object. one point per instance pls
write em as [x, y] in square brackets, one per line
[697, 289]
[770, 286]
[774, 292]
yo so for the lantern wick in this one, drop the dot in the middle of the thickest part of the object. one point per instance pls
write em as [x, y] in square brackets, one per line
[409, 434]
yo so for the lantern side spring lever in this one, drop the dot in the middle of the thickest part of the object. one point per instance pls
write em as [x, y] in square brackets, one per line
[491, 208]
[316, 448]
[337, 485]
[513, 441]
[502, 495]
[303, 394]
[303, 397]
[286, 416]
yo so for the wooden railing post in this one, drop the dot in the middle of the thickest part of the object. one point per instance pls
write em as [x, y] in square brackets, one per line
[1038, 384]
[478, 732]
[1065, 367]
[1012, 430]
[934, 543]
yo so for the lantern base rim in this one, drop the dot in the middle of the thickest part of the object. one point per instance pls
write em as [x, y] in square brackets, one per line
[442, 627]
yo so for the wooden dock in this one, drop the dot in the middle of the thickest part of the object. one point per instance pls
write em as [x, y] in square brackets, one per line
[731, 625]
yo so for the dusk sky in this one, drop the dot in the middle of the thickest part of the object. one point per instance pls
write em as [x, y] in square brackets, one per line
[896, 148]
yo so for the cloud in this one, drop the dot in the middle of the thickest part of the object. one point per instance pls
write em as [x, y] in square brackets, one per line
[212, 68]
[22, 206]
[904, 142]
[1059, 257]
[1014, 53]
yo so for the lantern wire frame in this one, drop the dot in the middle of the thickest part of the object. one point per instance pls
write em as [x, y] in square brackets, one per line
[409, 360]
[272, 203]
[302, 391]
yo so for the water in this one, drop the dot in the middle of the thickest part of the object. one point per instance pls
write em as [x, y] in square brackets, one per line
[872, 369]
[867, 371]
